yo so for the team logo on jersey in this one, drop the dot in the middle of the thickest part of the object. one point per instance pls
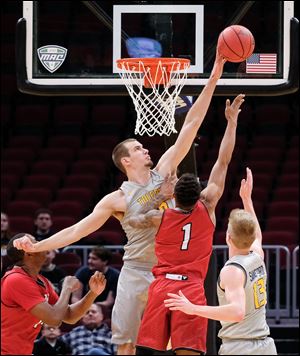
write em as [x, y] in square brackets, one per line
[52, 57]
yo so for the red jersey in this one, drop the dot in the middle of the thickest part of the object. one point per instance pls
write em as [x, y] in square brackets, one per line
[19, 294]
[183, 243]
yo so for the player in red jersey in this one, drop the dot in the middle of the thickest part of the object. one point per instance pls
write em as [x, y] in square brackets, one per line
[28, 300]
[183, 245]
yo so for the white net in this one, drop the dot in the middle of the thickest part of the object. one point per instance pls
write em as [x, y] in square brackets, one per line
[156, 104]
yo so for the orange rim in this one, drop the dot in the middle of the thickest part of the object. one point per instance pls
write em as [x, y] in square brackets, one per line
[154, 67]
[132, 63]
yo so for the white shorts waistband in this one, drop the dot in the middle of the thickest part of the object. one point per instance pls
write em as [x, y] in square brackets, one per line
[176, 277]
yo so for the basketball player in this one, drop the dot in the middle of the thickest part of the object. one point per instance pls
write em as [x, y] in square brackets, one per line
[183, 246]
[28, 300]
[241, 286]
[142, 189]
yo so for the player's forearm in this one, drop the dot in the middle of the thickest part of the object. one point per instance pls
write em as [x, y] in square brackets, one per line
[227, 144]
[77, 310]
[60, 239]
[59, 309]
[248, 206]
[229, 312]
[199, 109]
[140, 221]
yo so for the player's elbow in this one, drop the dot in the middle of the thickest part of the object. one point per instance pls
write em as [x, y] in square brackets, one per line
[239, 314]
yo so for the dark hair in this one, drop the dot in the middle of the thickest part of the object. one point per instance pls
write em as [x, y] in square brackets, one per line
[42, 211]
[187, 191]
[102, 253]
[13, 253]
[119, 152]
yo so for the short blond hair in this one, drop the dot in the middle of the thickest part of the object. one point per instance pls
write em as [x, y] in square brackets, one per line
[242, 228]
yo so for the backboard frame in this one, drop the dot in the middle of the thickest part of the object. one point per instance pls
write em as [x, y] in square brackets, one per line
[114, 86]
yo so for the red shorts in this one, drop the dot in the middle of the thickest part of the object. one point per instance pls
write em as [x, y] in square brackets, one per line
[159, 324]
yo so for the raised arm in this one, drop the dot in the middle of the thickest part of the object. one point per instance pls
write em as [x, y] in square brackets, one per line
[176, 153]
[76, 311]
[216, 182]
[103, 210]
[245, 194]
[233, 280]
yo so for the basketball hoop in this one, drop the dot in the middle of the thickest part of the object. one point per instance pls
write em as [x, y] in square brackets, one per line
[154, 85]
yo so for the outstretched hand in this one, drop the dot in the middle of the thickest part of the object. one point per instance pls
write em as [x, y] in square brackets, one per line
[217, 70]
[167, 188]
[97, 283]
[246, 185]
[24, 243]
[232, 110]
[179, 302]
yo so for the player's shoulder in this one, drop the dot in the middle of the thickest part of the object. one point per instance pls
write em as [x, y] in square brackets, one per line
[16, 278]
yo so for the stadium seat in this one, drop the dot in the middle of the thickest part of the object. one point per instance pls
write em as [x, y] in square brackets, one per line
[109, 115]
[82, 195]
[116, 260]
[288, 180]
[53, 168]
[290, 167]
[65, 141]
[57, 154]
[19, 168]
[10, 181]
[19, 154]
[62, 258]
[113, 224]
[220, 237]
[69, 118]
[262, 166]
[46, 181]
[101, 141]
[21, 224]
[271, 118]
[260, 180]
[283, 208]
[275, 237]
[92, 153]
[40, 195]
[62, 222]
[82, 180]
[67, 208]
[283, 223]
[31, 119]
[5, 115]
[268, 141]
[22, 208]
[8, 84]
[265, 154]
[69, 268]
[286, 193]
[95, 238]
[33, 142]
[6, 195]
[292, 154]
[104, 237]
[237, 204]
[98, 167]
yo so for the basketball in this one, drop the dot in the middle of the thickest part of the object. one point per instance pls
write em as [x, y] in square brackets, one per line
[236, 43]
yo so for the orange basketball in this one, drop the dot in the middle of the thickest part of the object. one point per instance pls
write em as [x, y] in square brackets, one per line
[236, 43]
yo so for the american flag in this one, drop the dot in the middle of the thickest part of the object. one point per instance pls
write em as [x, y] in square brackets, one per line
[261, 63]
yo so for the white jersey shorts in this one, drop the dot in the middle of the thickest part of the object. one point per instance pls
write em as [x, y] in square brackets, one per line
[248, 347]
[130, 303]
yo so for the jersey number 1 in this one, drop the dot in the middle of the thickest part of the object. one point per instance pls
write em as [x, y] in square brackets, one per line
[187, 229]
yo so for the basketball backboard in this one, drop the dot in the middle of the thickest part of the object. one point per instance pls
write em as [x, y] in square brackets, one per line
[71, 48]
